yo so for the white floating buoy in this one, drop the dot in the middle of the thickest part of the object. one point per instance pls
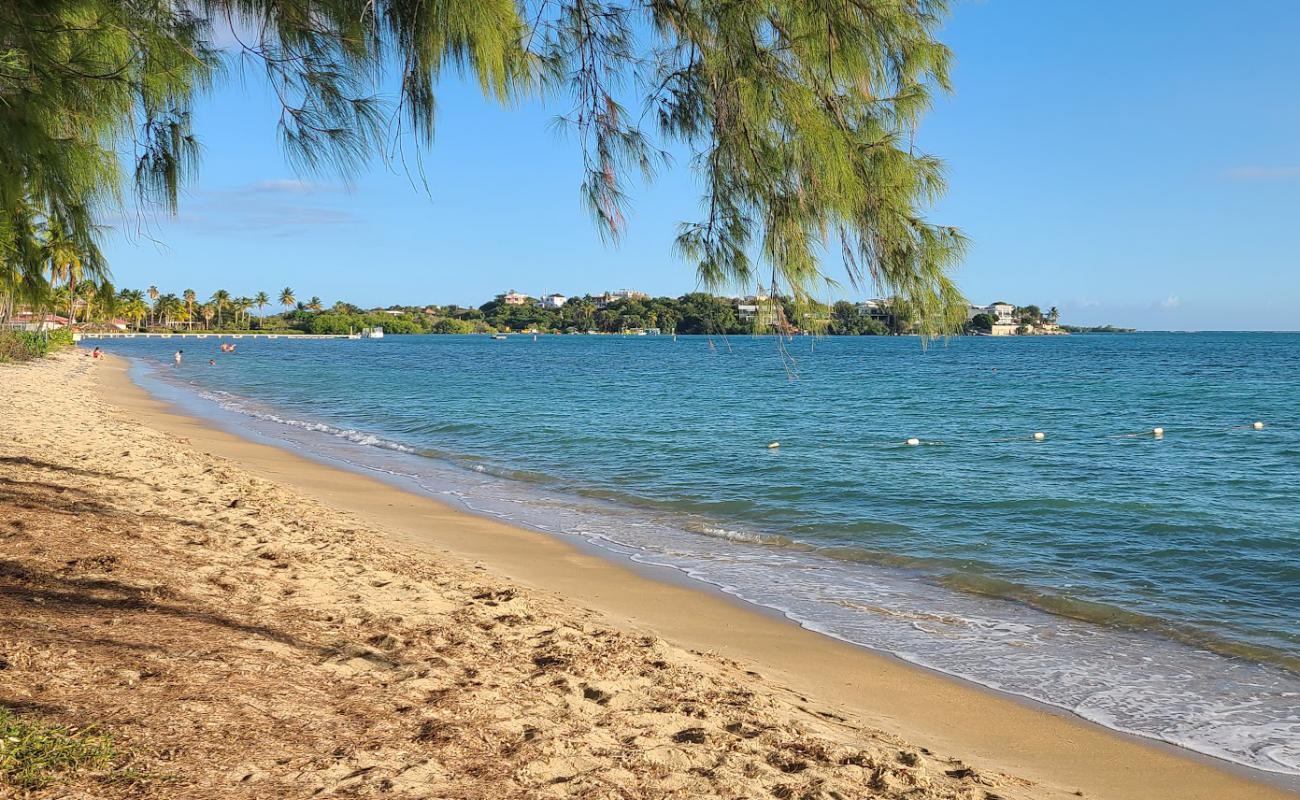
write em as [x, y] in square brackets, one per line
[1259, 426]
[773, 445]
[1039, 436]
[1158, 431]
[913, 442]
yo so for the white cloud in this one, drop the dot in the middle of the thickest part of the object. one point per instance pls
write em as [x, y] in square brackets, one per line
[1171, 301]
[283, 186]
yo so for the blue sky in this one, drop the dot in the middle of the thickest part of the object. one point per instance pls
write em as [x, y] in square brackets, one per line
[1130, 163]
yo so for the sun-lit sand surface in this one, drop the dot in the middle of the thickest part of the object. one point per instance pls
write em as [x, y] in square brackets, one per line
[248, 623]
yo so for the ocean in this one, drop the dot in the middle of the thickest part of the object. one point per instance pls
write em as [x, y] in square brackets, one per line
[1148, 583]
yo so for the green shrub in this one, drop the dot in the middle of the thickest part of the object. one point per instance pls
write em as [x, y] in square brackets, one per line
[60, 338]
[32, 755]
[27, 345]
[22, 345]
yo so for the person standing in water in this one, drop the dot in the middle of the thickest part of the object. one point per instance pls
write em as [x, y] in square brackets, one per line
[177, 358]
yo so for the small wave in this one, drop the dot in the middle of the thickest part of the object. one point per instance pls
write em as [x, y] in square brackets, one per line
[748, 537]
[231, 403]
[1106, 615]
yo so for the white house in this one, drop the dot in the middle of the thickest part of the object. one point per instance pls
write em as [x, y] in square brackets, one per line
[877, 309]
[621, 294]
[1003, 313]
[755, 309]
[552, 301]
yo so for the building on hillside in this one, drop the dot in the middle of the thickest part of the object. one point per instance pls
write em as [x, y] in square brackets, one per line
[513, 298]
[1004, 329]
[761, 312]
[552, 301]
[623, 294]
[1003, 313]
[876, 308]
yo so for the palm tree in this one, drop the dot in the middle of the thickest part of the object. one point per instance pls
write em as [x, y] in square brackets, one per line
[129, 301]
[207, 311]
[22, 278]
[286, 297]
[190, 297]
[261, 300]
[242, 304]
[1053, 315]
[314, 304]
[107, 297]
[153, 294]
[134, 309]
[168, 308]
[65, 263]
[87, 293]
[220, 300]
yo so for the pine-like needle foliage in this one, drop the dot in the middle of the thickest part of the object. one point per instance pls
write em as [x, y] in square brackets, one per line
[798, 114]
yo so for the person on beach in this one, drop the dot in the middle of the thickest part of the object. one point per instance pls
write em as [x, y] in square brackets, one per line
[178, 357]
[95, 353]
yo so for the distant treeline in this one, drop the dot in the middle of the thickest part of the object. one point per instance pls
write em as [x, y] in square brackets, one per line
[694, 313]
[1096, 329]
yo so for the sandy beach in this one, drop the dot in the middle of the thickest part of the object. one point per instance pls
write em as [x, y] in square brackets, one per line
[246, 622]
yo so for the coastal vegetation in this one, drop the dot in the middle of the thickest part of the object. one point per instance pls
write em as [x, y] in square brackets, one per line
[99, 307]
[1096, 329]
[799, 119]
[27, 345]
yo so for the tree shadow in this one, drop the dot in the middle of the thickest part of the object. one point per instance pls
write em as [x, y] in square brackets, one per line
[78, 596]
[27, 461]
[45, 496]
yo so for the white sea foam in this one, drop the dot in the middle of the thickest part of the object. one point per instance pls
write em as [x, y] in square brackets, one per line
[231, 402]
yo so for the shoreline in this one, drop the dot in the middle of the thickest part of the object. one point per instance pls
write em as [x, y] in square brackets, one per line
[990, 729]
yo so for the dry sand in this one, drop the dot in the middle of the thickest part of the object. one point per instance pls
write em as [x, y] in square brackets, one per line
[248, 623]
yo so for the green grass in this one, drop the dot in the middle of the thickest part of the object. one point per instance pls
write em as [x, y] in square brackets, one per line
[33, 754]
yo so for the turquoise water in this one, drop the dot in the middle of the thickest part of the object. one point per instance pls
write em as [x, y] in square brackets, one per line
[1148, 583]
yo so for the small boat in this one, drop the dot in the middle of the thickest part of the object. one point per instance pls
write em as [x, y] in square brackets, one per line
[372, 333]
[500, 337]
